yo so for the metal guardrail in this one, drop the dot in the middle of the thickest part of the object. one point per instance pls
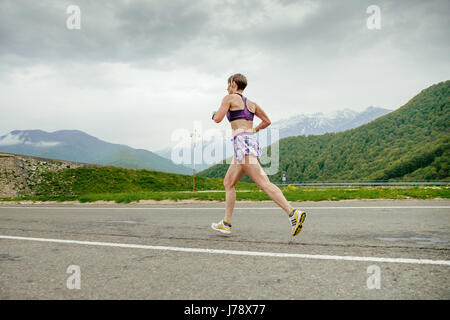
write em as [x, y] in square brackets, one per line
[374, 183]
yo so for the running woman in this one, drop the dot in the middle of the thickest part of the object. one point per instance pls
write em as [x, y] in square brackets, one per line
[240, 112]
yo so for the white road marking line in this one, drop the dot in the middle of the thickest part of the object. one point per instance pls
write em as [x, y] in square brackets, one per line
[222, 208]
[236, 252]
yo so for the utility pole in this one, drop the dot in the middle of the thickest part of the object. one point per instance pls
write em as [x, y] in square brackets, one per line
[194, 136]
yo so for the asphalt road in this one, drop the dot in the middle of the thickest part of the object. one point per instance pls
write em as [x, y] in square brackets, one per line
[347, 250]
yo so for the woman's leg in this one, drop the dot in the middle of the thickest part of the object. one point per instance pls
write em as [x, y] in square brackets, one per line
[252, 167]
[234, 174]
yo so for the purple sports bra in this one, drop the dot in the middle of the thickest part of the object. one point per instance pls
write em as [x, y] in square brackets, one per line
[240, 114]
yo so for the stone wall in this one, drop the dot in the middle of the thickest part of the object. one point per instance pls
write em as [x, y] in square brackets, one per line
[18, 173]
[11, 177]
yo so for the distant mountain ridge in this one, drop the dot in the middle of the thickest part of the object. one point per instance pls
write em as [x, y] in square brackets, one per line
[320, 123]
[76, 145]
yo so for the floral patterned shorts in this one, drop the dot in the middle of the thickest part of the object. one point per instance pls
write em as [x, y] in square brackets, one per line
[245, 143]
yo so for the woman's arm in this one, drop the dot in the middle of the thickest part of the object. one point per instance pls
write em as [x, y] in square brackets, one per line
[259, 112]
[225, 105]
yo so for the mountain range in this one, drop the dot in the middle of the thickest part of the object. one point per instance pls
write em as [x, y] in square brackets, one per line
[76, 145]
[320, 123]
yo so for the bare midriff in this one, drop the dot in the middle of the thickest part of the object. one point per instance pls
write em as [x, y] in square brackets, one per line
[241, 125]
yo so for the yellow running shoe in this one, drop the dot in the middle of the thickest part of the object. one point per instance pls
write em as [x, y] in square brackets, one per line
[221, 227]
[297, 220]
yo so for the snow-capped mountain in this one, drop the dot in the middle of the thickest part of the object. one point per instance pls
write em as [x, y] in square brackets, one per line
[320, 123]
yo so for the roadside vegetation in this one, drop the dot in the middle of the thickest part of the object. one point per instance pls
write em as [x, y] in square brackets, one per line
[254, 194]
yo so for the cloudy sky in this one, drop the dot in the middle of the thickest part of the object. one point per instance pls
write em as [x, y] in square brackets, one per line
[136, 71]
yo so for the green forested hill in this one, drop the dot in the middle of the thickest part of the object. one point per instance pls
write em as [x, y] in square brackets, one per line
[411, 143]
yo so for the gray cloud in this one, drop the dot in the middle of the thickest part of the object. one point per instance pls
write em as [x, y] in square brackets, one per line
[151, 57]
[120, 31]
[146, 31]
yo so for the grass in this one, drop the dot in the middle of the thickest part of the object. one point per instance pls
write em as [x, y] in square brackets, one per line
[107, 183]
[254, 194]
[110, 179]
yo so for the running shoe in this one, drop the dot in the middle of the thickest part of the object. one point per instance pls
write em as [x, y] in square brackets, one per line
[221, 227]
[297, 221]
